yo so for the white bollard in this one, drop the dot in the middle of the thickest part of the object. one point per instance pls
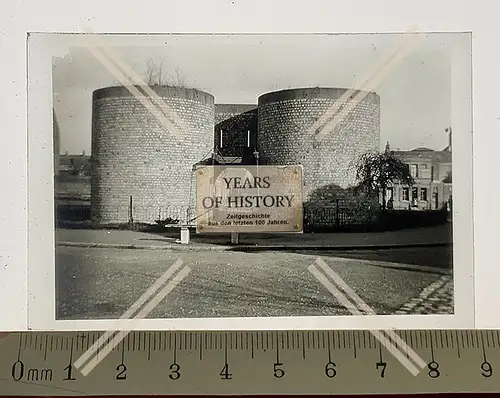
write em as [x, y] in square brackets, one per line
[184, 236]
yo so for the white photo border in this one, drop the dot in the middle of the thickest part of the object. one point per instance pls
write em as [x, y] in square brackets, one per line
[41, 235]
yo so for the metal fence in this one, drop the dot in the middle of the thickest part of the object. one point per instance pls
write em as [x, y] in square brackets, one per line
[341, 213]
[344, 215]
[163, 215]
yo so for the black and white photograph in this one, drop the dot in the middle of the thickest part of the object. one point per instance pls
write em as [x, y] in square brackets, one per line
[361, 135]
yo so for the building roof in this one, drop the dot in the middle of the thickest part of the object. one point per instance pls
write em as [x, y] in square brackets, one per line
[422, 149]
[443, 156]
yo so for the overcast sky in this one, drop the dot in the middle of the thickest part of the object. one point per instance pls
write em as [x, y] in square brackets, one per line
[415, 95]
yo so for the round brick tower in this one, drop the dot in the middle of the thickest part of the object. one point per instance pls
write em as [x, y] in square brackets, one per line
[290, 119]
[143, 154]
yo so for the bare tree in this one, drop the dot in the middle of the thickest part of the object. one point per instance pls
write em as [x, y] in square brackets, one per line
[150, 72]
[179, 78]
[155, 74]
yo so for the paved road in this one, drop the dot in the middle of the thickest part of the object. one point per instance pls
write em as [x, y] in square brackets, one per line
[438, 257]
[103, 283]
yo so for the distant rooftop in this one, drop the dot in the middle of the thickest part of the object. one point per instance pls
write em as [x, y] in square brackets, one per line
[443, 156]
[422, 149]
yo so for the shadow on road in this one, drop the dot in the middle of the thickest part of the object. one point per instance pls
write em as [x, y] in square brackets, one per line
[436, 257]
[434, 234]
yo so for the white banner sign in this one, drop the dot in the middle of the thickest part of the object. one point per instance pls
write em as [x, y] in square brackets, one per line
[249, 199]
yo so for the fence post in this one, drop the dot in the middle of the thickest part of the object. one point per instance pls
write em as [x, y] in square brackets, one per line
[130, 213]
[184, 235]
[337, 212]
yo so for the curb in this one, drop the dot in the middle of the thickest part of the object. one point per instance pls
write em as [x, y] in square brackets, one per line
[338, 247]
[177, 247]
[248, 248]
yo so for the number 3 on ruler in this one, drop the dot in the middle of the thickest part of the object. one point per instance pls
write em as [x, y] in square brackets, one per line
[175, 371]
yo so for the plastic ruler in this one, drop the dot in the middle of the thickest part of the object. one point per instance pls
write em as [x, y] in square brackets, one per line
[253, 362]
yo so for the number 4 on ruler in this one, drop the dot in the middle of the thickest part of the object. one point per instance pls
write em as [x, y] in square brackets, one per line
[224, 374]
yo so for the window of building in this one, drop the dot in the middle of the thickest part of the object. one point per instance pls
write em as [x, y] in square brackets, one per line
[405, 194]
[389, 197]
[423, 194]
[414, 170]
[414, 194]
[423, 166]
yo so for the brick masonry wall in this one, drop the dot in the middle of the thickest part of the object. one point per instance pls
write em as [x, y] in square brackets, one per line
[285, 118]
[235, 120]
[134, 155]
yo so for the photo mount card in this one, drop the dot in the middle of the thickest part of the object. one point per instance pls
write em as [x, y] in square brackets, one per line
[382, 242]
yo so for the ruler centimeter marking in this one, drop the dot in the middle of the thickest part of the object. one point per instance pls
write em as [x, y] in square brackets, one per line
[253, 362]
[156, 341]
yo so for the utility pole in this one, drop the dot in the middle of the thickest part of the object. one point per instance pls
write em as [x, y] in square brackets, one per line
[450, 132]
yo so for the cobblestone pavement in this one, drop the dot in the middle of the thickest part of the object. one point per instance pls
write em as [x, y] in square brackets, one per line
[435, 299]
